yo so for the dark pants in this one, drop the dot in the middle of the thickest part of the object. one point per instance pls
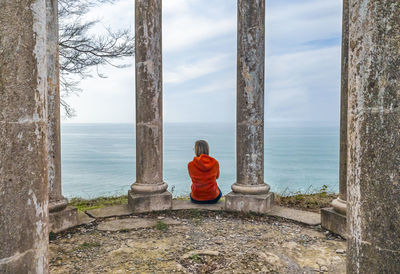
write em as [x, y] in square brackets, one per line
[208, 201]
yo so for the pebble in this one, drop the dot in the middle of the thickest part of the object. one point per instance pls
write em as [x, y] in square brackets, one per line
[324, 268]
[340, 251]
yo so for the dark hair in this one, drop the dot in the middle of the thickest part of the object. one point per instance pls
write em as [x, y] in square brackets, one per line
[201, 147]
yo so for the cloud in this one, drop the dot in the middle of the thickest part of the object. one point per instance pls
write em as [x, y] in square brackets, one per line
[189, 71]
[199, 49]
[295, 25]
[186, 23]
[298, 84]
[183, 32]
[173, 7]
[217, 87]
[120, 15]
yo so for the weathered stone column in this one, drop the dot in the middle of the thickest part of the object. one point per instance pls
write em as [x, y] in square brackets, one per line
[23, 150]
[334, 218]
[61, 216]
[149, 192]
[373, 186]
[250, 192]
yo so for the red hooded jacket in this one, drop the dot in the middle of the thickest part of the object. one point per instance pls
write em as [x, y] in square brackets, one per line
[204, 172]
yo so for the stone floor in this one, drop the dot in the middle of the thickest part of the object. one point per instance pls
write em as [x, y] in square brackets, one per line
[192, 241]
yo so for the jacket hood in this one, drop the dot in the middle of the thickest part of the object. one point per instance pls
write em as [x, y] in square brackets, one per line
[204, 162]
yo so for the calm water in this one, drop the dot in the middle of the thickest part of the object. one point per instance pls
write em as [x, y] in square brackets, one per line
[99, 159]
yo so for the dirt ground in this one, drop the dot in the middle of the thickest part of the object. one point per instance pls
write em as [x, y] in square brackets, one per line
[199, 242]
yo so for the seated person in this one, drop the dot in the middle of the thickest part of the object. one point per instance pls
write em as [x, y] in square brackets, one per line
[204, 172]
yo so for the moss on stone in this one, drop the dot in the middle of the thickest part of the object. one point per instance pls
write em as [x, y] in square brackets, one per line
[100, 202]
[161, 226]
[310, 202]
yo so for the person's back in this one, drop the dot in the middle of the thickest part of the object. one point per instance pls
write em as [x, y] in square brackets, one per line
[204, 172]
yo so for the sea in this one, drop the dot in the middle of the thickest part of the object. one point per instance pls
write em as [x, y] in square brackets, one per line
[99, 159]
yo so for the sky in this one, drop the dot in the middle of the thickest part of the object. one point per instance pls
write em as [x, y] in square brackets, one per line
[302, 76]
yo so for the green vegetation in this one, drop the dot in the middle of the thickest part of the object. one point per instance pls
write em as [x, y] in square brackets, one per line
[182, 198]
[195, 257]
[312, 200]
[87, 245]
[307, 201]
[161, 226]
[86, 204]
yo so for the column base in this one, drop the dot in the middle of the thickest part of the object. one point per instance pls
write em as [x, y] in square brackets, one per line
[57, 205]
[334, 221]
[249, 203]
[339, 205]
[140, 203]
[63, 219]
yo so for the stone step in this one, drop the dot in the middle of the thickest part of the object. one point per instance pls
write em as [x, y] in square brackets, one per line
[301, 216]
[185, 204]
[304, 217]
[110, 211]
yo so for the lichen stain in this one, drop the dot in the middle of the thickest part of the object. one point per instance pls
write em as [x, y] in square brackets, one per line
[38, 8]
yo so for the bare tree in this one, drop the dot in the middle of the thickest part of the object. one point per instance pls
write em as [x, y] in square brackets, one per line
[81, 51]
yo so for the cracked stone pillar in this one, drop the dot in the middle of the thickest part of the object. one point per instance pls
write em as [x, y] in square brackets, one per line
[149, 192]
[61, 215]
[334, 218]
[373, 186]
[250, 192]
[23, 133]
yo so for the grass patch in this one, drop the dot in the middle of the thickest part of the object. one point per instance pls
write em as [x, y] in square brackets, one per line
[195, 257]
[311, 201]
[182, 198]
[161, 226]
[87, 204]
[194, 214]
[87, 245]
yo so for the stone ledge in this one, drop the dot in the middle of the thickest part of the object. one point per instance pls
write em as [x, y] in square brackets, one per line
[300, 216]
[111, 211]
[304, 217]
[334, 221]
[63, 220]
[84, 219]
[185, 204]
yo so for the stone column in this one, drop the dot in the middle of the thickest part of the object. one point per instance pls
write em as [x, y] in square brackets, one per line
[334, 218]
[373, 176]
[23, 150]
[250, 192]
[149, 192]
[61, 216]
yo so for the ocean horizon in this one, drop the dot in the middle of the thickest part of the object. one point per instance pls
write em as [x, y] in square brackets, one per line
[99, 159]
